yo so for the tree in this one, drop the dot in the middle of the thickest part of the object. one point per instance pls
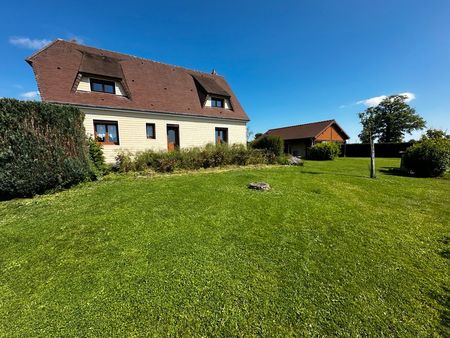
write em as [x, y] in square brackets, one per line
[368, 121]
[258, 135]
[435, 134]
[390, 120]
[249, 135]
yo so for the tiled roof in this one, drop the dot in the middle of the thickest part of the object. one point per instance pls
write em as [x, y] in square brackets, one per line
[150, 86]
[307, 130]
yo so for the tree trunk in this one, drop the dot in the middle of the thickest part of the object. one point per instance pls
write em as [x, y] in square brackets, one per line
[372, 158]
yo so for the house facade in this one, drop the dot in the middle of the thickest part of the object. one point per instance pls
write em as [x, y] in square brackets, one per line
[298, 138]
[136, 104]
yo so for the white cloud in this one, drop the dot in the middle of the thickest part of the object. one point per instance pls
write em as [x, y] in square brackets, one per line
[29, 43]
[32, 95]
[375, 101]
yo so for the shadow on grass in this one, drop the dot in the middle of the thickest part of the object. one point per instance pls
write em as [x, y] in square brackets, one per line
[310, 172]
[394, 171]
[443, 297]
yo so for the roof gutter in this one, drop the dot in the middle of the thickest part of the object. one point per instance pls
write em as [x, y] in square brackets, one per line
[139, 111]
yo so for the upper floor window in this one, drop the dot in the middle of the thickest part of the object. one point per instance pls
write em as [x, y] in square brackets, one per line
[103, 86]
[150, 130]
[216, 102]
[106, 132]
[221, 135]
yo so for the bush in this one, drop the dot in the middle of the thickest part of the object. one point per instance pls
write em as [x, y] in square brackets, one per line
[428, 158]
[124, 162]
[193, 158]
[270, 143]
[42, 147]
[98, 164]
[324, 151]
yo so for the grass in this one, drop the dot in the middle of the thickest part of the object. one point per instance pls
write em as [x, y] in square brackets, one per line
[327, 252]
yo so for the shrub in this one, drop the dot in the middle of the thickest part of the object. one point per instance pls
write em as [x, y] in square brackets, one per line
[324, 151]
[166, 164]
[98, 164]
[193, 158]
[143, 160]
[42, 147]
[271, 143]
[124, 162]
[428, 158]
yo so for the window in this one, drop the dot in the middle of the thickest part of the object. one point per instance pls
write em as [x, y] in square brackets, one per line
[103, 86]
[150, 129]
[106, 132]
[216, 102]
[221, 135]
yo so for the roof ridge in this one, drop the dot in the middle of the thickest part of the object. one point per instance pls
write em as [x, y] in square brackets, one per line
[303, 124]
[137, 57]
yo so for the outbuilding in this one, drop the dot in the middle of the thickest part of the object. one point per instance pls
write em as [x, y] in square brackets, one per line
[298, 138]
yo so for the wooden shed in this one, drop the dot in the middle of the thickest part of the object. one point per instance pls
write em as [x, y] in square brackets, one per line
[298, 138]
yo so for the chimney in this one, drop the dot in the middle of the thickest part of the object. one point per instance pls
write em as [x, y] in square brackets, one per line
[214, 72]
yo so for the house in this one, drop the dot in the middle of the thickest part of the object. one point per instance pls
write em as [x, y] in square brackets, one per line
[297, 139]
[134, 104]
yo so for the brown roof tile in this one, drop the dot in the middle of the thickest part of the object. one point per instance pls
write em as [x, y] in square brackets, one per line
[151, 86]
[307, 130]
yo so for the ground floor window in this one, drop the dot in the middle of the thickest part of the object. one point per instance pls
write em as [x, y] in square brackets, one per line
[106, 132]
[150, 130]
[221, 135]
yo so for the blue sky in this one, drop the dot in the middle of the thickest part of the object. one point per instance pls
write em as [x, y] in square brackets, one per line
[289, 62]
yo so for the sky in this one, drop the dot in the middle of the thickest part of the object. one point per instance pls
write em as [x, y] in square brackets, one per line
[288, 62]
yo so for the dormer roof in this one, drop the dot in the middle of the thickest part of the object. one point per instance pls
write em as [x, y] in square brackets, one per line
[149, 85]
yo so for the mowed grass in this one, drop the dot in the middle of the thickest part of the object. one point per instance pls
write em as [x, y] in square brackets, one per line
[327, 252]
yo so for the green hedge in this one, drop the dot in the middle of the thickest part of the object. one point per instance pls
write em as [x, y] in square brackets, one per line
[428, 158]
[324, 151]
[193, 158]
[271, 143]
[97, 158]
[42, 147]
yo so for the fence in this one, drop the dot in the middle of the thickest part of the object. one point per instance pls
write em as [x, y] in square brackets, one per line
[381, 149]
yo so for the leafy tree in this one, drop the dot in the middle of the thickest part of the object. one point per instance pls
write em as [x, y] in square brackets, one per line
[390, 120]
[435, 134]
[257, 135]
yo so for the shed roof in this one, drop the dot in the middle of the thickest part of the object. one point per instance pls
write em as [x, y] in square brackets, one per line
[307, 130]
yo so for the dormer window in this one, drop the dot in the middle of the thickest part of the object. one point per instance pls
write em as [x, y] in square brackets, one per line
[103, 86]
[217, 102]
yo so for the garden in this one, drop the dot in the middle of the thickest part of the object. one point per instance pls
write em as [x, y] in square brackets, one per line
[327, 251]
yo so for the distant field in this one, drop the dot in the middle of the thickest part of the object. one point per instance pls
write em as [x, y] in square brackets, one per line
[327, 252]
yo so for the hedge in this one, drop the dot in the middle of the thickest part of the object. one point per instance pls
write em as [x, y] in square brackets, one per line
[324, 151]
[428, 158]
[42, 147]
[271, 143]
[193, 158]
[381, 149]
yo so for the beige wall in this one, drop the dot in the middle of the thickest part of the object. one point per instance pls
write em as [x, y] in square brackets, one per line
[194, 132]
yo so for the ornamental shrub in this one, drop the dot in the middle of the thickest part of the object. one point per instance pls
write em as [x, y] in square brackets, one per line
[42, 147]
[324, 151]
[271, 143]
[98, 164]
[428, 158]
[193, 158]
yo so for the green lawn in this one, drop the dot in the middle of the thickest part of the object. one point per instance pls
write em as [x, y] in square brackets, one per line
[327, 252]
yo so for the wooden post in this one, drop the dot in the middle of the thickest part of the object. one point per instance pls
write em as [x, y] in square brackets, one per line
[372, 158]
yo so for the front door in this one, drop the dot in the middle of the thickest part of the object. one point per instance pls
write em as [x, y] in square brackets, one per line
[173, 137]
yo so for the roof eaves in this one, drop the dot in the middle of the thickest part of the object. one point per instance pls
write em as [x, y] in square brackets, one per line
[83, 105]
[29, 59]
